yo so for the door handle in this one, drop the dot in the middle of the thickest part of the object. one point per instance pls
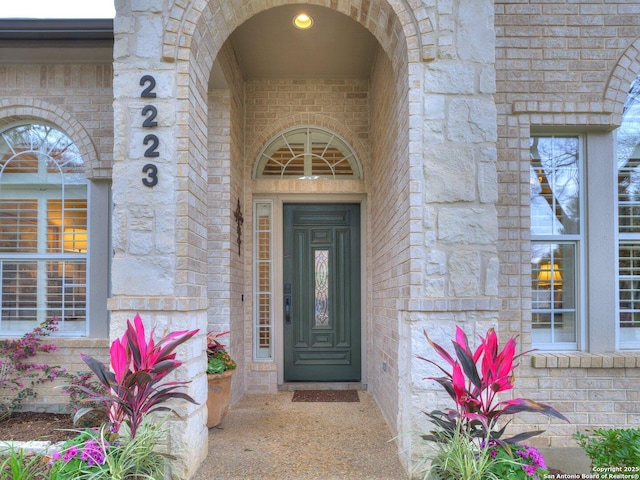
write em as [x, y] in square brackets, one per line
[287, 309]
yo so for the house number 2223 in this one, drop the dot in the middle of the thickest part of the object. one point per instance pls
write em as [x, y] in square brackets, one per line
[151, 141]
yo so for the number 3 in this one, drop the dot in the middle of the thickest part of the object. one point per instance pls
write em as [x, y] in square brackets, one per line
[151, 171]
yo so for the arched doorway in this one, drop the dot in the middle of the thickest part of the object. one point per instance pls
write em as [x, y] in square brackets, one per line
[222, 115]
[364, 100]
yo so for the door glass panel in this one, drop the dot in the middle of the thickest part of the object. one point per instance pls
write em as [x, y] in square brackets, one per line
[322, 287]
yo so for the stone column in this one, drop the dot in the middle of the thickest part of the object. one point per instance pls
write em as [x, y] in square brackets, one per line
[460, 266]
[149, 234]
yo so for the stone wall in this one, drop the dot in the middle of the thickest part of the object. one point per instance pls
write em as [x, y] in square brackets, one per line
[459, 258]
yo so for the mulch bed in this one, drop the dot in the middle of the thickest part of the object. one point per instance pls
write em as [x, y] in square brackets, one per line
[26, 426]
[325, 396]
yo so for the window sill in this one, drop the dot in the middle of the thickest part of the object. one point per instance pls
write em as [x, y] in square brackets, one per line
[586, 360]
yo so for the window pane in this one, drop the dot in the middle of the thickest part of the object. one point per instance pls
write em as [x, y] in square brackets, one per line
[38, 148]
[43, 230]
[308, 153]
[555, 186]
[63, 294]
[18, 225]
[554, 287]
[67, 224]
[628, 163]
[629, 273]
[629, 196]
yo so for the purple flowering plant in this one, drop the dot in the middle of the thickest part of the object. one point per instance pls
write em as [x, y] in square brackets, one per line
[77, 455]
[19, 374]
[521, 462]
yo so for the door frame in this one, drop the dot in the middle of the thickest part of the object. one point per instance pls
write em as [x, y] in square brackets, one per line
[278, 294]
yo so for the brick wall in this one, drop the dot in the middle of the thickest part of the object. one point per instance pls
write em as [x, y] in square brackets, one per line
[562, 65]
[275, 104]
[226, 285]
[388, 185]
[78, 100]
[67, 355]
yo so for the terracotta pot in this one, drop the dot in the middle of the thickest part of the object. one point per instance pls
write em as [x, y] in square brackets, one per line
[219, 396]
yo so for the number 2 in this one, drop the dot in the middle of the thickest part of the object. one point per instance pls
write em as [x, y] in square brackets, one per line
[150, 120]
[147, 92]
[151, 151]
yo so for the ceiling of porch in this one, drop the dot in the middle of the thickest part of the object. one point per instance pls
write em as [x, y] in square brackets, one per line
[269, 46]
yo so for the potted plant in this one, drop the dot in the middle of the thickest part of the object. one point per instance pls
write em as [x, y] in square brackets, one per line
[220, 368]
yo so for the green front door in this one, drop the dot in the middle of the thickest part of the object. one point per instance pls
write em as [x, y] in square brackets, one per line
[321, 293]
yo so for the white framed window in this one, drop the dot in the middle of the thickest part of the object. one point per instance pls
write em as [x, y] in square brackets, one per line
[308, 153]
[43, 230]
[628, 203]
[556, 240]
[263, 295]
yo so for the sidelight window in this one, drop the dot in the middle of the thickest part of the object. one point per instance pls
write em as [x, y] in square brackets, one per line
[263, 281]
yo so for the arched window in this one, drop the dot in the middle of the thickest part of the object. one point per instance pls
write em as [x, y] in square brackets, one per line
[308, 153]
[43, 230]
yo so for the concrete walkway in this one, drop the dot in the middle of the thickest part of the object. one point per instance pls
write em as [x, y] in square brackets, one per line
[270, 437]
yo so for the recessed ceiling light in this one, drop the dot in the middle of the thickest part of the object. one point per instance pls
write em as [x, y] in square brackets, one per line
[302, 21]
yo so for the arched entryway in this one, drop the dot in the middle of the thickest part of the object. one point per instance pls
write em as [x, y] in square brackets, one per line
[368, 106]
[223, 117]
[250, 101]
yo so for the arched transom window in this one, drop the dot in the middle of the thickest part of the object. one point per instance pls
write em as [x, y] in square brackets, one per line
[43, 230]
[308, 153]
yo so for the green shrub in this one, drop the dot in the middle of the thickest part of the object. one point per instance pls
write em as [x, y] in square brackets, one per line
[613, 447]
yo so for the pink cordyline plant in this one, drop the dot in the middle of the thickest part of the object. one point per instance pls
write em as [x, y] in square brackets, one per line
[474, 382]
[135, 382]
